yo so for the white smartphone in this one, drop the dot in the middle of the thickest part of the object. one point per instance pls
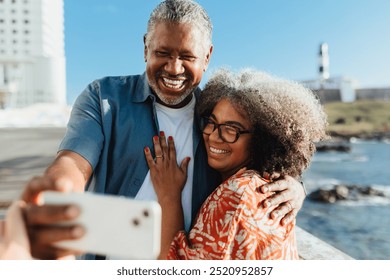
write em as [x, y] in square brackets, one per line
[118, 227]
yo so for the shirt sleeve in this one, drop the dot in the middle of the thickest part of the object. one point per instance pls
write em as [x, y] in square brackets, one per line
[181, 249]
[84, 134]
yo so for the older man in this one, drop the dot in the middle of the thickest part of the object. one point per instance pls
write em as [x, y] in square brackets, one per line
[114, 118]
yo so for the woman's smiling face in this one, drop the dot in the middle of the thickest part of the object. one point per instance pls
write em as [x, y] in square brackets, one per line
[228, 158]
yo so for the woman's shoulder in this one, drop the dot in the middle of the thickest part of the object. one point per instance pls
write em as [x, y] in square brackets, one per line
[248, 176]
[242, 189]
[248, 180]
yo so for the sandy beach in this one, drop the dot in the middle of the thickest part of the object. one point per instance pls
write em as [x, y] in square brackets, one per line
[24, 153]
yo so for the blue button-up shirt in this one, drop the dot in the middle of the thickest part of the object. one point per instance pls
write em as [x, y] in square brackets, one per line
[112, 121]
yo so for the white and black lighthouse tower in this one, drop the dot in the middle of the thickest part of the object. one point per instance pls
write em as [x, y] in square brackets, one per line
[323, 62]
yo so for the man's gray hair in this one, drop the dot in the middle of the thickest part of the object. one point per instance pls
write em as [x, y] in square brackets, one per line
[180, 11]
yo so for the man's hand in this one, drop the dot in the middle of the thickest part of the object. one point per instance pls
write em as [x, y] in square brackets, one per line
[287, 200]
[40, 218]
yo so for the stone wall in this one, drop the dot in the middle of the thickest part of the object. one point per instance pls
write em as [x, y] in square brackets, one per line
[334, 95]
[328, 95]
[373, 93]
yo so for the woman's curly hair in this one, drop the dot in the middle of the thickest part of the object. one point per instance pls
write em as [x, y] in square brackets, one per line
[287, 118]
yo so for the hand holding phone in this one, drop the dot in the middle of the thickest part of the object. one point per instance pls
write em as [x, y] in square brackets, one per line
[122, 228]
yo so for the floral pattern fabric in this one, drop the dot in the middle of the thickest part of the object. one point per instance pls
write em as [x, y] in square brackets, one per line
[232, 224]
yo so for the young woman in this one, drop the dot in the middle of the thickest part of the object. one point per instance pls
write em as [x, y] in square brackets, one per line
[253, 124]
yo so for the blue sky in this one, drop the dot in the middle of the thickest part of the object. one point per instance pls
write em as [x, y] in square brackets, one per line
[104, 38]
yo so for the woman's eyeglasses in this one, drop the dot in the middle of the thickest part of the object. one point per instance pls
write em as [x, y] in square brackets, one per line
[227, 132]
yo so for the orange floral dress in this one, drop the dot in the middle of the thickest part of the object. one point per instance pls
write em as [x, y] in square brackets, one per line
[231, 224]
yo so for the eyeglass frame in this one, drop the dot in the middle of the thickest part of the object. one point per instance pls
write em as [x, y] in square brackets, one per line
[206, 120]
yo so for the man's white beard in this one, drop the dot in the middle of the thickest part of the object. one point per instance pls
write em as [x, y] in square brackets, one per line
[169, 101]
[174, 101]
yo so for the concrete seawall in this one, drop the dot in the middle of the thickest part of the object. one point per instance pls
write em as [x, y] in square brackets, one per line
[26, 152]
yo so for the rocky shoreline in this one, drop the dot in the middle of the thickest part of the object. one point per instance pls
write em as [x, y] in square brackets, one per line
[340, 142]
[344, 192]
[374, 135]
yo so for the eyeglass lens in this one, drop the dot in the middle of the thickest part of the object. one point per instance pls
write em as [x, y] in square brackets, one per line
[226, 132]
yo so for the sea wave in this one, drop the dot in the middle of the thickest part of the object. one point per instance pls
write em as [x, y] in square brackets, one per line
[341, 158]
[325, 183]
[354, 140]
[336, 157]
[383, 188]
[327, 159]
[360, 158]
[367, 201]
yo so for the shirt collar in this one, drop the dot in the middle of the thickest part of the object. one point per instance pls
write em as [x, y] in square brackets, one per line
[142, 90]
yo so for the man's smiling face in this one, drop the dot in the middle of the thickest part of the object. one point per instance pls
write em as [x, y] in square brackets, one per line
[176, 58]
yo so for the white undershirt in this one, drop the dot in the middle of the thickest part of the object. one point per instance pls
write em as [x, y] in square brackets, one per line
[177, 123]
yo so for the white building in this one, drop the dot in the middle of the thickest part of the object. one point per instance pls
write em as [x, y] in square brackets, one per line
[331, 88]
[334, 89]
[32, 55]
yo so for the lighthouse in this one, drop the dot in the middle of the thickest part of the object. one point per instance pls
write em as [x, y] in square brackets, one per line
[323, 61]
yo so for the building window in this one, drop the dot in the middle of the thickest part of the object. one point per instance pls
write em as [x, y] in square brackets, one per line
[26, 32]
[26, 21]
[13, 21]
[14, 31]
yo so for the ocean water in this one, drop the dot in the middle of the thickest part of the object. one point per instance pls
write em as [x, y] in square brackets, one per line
[359, 228]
